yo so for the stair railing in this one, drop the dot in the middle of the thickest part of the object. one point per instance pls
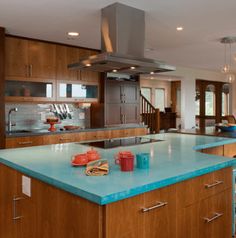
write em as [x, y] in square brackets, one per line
[150, 115]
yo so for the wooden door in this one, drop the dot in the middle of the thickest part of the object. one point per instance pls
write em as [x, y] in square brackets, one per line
[42, 60]
[16, 61]
[64, 56]
[8, 190]
[131, 113]
[131, 92]
[113, 91]
[114, 114]
[160, 221]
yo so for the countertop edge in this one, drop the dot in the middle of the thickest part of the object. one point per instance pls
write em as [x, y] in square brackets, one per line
[123, 194]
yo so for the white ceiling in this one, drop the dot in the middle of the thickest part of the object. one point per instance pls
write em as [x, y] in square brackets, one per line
[204, 22]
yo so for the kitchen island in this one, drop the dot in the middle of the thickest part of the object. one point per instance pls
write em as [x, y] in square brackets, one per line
[185, 193]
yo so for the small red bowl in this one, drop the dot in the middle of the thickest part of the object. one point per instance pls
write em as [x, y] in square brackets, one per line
[79, 160]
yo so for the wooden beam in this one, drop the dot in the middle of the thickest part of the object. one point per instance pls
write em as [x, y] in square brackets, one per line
[2, 88]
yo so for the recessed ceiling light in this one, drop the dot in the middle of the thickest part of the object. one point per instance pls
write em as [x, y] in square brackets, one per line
[179, 28]
[114, 70]
[87, 65]
[151, 72]
[73, 34]
[132, 67]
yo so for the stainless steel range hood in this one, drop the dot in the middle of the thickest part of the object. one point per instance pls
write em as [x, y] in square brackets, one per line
[123, 32]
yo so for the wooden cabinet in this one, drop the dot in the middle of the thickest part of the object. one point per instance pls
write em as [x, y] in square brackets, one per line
[29, 59]
[16, 57]
[204, 206]
[67, 55]
[17, 142]
[121, 102]
[230, 150]
[160, 220]
[8, 191]
[163, 213]
[47, 139]
[48, 213]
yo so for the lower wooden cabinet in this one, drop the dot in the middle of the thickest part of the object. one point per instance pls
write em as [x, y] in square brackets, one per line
[208, 218]
[54, 213]
[17, 142]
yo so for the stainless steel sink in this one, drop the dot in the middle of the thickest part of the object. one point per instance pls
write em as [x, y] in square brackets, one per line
[19, 131]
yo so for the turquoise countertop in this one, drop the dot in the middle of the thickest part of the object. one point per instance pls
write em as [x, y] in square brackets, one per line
[173, 160]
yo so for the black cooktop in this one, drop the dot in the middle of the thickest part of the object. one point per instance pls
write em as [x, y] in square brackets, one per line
[113, 143]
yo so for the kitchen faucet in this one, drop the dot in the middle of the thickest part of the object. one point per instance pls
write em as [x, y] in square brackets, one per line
[9, 125]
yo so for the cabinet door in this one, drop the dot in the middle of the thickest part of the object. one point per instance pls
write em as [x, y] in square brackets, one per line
[125, 219]
[210, 218]
[64, 56]
[88, 76]
[42, 60]
[113, 92]
[131, 92]
[17, 142]
[160, 220]
[16, 51]
[131, 113]
[113, 114]
[8, 190]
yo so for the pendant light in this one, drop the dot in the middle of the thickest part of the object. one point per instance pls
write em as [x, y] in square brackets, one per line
[226, 69]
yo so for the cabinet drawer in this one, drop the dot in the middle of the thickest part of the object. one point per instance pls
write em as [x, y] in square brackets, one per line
[18, 142]
[193, 190]
[60, 138]
[159, 213]
[209, 218]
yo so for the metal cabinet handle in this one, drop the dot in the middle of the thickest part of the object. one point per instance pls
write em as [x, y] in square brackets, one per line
[216, 215]
[25, 143]
[30, 70]
[217, 182]
[26, 70]
[158, 205]
[64, 139]
[15, 216]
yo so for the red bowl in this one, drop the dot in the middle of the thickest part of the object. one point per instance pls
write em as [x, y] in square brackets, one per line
[79, 160]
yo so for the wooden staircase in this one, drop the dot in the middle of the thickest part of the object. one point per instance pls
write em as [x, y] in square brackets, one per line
[150, 115]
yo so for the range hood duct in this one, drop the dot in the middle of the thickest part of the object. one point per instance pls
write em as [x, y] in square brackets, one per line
[122, 44]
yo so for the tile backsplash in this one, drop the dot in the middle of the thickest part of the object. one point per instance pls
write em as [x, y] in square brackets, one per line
[33, 116]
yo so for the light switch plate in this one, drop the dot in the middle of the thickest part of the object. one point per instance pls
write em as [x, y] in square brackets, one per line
[26, 186]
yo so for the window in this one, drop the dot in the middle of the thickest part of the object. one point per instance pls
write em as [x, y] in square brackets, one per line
[210, 100]
[160, 98]
[146, 92]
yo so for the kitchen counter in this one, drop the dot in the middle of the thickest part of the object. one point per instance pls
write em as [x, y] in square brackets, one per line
[39, 132]
[173, 160]
[208, 131]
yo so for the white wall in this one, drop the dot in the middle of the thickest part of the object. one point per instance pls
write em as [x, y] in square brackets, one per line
[188, 77]
[156, 83]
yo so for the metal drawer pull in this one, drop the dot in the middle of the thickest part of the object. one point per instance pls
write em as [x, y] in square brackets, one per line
[64, 139]
[216, 215]
[25, 143]
[213, 184]
[159, 204]
[15, 216]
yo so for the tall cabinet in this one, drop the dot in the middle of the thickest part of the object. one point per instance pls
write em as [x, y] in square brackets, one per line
[120, 105]
[122, 102]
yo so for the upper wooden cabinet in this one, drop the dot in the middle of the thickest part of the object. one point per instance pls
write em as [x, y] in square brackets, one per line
[67, 55]
[29, 59]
